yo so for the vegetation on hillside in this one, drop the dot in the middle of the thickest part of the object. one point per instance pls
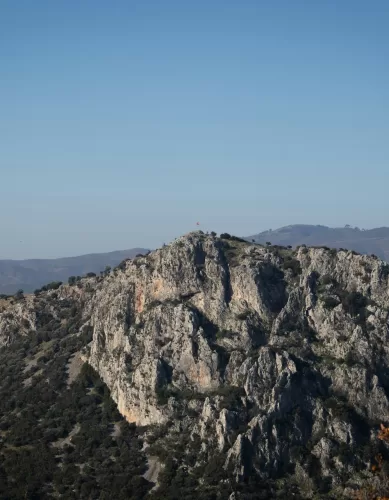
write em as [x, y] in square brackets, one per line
[58, 440]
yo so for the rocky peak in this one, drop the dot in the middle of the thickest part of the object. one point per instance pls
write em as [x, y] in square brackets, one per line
[268, 354]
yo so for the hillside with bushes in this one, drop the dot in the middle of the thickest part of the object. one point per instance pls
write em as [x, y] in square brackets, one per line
[210, 368]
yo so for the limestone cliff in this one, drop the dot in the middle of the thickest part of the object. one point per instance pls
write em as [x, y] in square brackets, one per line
[277, 358]
[300, 336]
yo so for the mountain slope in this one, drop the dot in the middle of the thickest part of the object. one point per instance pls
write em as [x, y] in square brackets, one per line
[371, 241]
[247, 371]
[34, 273]
[61, 435]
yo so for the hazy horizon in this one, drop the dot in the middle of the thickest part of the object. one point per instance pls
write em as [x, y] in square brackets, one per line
[140, 246]
[124, 124]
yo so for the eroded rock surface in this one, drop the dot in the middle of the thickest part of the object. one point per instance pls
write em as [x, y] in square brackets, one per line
[271, 356]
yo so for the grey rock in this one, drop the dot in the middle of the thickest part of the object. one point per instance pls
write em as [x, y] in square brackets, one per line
[262, 352]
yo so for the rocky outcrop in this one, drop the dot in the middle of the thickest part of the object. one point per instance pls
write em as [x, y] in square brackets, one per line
[22, 315]
[273, 356]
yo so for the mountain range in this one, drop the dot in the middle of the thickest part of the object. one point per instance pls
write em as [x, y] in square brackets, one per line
[31, 274]
[369, 241]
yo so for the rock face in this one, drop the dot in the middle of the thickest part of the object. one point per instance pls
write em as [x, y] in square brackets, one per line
[276, 358]
[24, 314]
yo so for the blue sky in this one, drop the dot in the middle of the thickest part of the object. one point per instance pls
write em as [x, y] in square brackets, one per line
[124, 123]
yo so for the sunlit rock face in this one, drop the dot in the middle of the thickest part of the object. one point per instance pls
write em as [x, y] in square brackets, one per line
[262, 350]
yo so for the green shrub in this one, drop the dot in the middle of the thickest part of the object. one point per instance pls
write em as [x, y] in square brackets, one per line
[350, 359]
[163, 394]
[330, 302]
[54, 285]
[19, 294]
[243, 315]
[123, 264]
[354, 303]
[326, 280]
[153, 304]
[236, 238]
[220, 334]
[293, 265]
[231, 396]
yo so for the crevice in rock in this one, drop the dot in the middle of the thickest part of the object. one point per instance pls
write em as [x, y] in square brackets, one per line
[228, 292]
[271, 288]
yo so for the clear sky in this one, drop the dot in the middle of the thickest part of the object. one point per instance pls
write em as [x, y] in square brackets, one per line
[123, 123]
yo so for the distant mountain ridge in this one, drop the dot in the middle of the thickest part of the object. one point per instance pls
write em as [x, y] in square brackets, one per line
[33, 273]
[366, 241]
